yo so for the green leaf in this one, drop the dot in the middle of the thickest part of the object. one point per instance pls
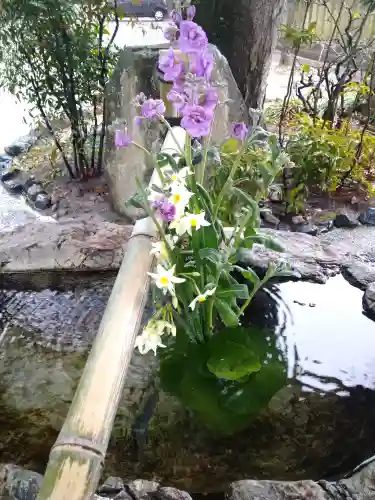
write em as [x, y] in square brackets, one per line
[251, 275]
[230, 356]
[205, 197]
[211, 254]
[227, 315]
[266, 241]
[230, 146]
[356, 15]
[254, 395]
[235, 291]
[305, 68]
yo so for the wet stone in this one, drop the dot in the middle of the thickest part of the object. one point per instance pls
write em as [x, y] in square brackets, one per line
[369, 301]
[368, 217]
[42, 201]
[34, 190]
[13, 185]
[359, 274]
[345, 220]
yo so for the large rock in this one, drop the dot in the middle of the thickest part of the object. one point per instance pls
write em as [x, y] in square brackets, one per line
[358, 486]
[310, 257]
[276, 490]
[41, 254]
[123, 166]
[359, 274]
[369, 301]
[21, 484]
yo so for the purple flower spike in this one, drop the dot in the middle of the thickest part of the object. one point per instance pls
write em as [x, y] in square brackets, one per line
[172, 68]
[202, 64]
[192, 37]
[239, 131]
[122, 139]
[167, 210]
[178, 99]
[190, 12]
[209, 99]
[153, 108]
[197, 121]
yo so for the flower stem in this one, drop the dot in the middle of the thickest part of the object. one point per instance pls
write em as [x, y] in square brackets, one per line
[232, 173]
[157, 167]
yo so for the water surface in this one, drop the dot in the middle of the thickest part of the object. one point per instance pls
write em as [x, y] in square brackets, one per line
[320, 425]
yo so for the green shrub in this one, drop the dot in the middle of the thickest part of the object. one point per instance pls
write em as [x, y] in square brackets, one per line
[326, 157]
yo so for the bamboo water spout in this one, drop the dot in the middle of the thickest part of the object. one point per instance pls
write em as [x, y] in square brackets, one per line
[76, 459]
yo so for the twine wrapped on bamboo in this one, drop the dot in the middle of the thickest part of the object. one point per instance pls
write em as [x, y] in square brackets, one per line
[76, 459]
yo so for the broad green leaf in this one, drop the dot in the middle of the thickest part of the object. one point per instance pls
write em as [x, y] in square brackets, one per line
[266, 241]
[227, 315]
[305, 67]
[254, 395]
[230, 356]
[211, 254]
[235, 291]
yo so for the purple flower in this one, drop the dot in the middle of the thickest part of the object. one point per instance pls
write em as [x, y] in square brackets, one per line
[197, 120]
[178, 98]
[167, 210]
[209, 99]
[172, 68]
[153, 108]
[192, 37]
[190, 12]
[239, 131]
[122, 139]
[202, 64]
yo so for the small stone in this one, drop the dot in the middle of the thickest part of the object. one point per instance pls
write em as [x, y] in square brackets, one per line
[17, 148]
[368, 217]
[112, 486]
[13, 185]
[5, 162]
[298, 219]
[9, 174]
[306, 228]
[345, 220]
[269, 218]
[368, 301]
[42, 201]
[33, 191]
[276, 194]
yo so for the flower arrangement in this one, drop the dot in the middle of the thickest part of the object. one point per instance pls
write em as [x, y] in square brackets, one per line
[223, 371]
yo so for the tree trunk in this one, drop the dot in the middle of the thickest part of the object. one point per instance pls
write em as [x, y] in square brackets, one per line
[246, 33]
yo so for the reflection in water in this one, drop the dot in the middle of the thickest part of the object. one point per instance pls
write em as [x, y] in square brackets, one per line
[330, 343]
[321, 424]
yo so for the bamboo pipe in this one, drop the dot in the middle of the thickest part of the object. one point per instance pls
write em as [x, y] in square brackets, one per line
[76, 459]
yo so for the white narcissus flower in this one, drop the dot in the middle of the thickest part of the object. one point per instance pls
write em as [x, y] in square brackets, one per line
[165, 279]
[202, 297]
[180, 197]
[180, 176]
[159, 248]
[188, 222]
[150, 338]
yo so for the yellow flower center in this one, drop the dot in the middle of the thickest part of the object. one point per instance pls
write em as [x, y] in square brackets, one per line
[202, 299]
[174, 177]
[164, 280]
[176, 198]
[193, 222]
